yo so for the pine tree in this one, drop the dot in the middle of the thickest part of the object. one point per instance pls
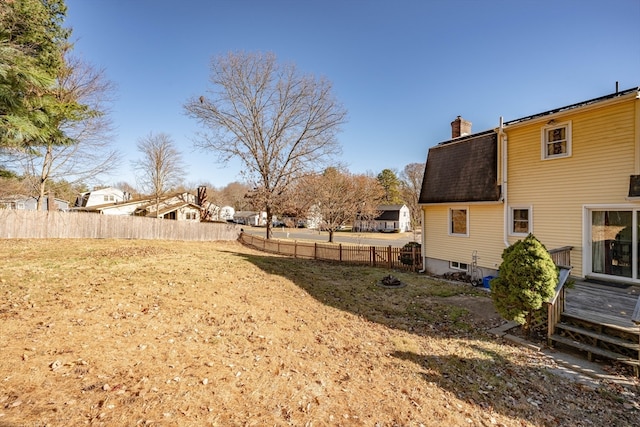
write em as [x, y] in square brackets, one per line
[528, 278]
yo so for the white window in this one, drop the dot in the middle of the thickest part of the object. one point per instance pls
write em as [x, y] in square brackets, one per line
[455, 265]
[459, 222]
[109, 198]
[520, 221]
[556, 140]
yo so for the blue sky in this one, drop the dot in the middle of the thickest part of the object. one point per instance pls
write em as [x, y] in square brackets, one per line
[404, 69]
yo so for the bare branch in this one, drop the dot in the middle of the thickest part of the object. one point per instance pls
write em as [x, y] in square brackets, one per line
[280, 124]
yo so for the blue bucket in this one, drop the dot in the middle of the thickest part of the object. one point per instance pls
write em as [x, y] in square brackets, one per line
[486, 280]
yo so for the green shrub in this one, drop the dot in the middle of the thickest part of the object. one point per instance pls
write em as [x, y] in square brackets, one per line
[527, 279]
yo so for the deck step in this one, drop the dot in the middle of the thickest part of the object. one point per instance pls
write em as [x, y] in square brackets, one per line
[595, 350]
[600, 336]
[582, 316]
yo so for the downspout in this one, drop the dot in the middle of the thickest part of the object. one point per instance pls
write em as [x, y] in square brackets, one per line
[423, 247]
[502, 138]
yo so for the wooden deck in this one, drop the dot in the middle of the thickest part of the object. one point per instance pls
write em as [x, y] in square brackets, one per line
[605, 304]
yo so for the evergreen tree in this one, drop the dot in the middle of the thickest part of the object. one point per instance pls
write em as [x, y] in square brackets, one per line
[528, 278]
[32, 42]
[391, 184]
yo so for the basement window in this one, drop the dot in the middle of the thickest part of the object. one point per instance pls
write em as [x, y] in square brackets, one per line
[556, 140]
[455, 265]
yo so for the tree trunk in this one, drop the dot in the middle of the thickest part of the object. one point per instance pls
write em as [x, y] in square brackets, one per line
[526, 328]
[44, 176]
[330, 236]
[269, 218]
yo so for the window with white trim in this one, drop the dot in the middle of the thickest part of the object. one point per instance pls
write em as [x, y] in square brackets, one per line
[556, 140]
[455, 265]
[459, 222]
[521, 221]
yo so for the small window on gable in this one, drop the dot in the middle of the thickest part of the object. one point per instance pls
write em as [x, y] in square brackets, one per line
[521, 221]
[556, 140]
[458, 222]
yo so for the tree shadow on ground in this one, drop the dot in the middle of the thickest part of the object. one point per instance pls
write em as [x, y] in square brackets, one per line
[497, 385]
[424, 306]
[521, 388]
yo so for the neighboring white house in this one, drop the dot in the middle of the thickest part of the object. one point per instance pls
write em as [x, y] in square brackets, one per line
[124, 208]
[251, 218]
[28, 203]
[392, 219]
[226, 213]
[103, 196]
[178, 206]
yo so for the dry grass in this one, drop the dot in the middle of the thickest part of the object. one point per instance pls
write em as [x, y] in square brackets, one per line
[117, 333]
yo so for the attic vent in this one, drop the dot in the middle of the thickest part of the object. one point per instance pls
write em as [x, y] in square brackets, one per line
[460, 127]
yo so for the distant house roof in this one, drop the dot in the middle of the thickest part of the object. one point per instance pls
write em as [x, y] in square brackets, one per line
[462, 170]
[389, 212]
[112, 205]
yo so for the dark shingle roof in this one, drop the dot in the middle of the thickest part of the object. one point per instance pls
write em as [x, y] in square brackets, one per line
[462, 170]
[389, 213]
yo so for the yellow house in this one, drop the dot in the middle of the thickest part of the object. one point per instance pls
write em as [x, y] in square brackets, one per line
[570, 176]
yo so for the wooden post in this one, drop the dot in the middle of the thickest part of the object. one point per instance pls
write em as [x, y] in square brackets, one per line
[372, 256]
[315, 251]
[340, 252]
[389, 261]
[413, 258]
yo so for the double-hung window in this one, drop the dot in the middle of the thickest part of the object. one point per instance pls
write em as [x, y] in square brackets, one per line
[521, 221]
[556, 140]
[459, 222]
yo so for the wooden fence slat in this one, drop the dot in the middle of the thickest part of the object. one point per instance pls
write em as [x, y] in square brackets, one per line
[18, 224]
[389, 256]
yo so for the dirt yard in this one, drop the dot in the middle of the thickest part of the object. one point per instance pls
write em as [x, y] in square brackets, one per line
[124, 333]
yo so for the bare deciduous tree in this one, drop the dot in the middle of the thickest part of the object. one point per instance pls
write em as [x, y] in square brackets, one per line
[279, 123]
[411, 184]
[161, 167]
[339, 197]
[235, 195]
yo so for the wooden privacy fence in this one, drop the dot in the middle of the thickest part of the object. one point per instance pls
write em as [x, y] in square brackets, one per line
[377, 256]
[19, 224]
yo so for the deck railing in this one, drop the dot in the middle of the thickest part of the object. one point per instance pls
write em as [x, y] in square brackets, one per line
[376, 256]
[555, 306]
[561, 256]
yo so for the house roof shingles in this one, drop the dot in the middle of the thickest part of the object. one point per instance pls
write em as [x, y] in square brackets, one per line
[389, 213]
[462, 170]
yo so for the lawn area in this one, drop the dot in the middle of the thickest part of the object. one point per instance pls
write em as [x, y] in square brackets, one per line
[124, 333]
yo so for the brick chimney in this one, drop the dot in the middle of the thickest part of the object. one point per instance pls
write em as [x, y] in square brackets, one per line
[460, 127]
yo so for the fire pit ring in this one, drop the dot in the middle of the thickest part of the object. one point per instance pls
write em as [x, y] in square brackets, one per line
[391, 282]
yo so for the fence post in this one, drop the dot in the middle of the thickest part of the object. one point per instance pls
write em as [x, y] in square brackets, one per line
[413, 258]
[389, 257]
[340, 252]
[372, 256]
[315, 251]
[295, 249]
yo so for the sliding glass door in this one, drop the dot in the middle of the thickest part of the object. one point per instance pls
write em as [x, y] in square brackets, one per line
[614, 243]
